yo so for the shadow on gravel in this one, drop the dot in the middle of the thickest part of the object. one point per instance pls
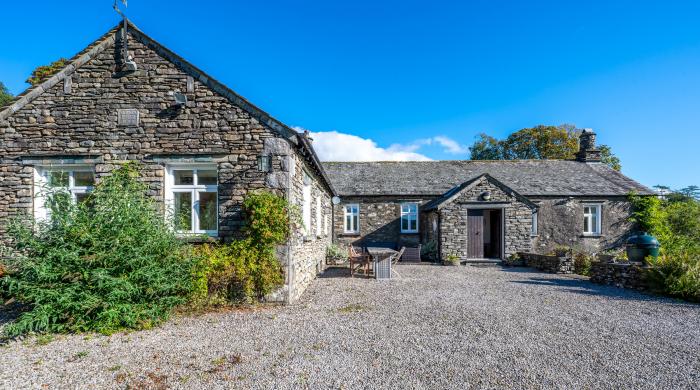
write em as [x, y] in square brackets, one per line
[335, 271]
[9, 313]
[584, 287]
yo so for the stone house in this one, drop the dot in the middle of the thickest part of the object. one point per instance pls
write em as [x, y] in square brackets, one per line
[202, 146]
[484, 209]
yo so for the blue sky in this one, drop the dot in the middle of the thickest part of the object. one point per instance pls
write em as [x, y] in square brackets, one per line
[417, 79]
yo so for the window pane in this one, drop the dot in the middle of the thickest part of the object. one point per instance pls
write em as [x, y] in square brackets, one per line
[355, 226]
[594, 224]
[81, 197]
[585, 225]
[348, 223]
[183, 210]
[58, 179]
[184, 177]
[207, 211]
[83, 179]
[404, 223]
[207, 177]
[59, 201]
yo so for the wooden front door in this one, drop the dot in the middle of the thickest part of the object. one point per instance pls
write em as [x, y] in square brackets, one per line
[475, 234]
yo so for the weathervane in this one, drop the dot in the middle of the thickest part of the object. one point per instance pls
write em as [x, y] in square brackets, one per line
[129, 63]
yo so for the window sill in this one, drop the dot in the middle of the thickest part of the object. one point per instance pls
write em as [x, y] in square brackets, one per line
[357, 234]
[198, 239]
[409, 233]
[592, 236]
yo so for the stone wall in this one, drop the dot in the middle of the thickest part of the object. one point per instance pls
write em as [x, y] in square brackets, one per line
[625, 275]
[550, 264]
[379, 221]
[76, 121]
[308, 245]
[560, 222]
[453, 219]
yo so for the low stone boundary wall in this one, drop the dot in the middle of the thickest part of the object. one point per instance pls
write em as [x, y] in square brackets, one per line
[548, 263]
[625, 275]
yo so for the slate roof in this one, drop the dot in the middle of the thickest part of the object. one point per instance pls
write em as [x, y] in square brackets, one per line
[454, 193]
[527, 177]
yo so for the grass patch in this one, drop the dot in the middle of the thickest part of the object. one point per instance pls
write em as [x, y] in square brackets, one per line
[352, 308]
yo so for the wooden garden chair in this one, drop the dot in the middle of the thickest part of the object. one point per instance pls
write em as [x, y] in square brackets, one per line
[397, 256]
[358, 258]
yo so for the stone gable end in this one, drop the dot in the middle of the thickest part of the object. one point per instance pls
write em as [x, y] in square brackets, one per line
[101, 116]
[84, 121]
[453, 218]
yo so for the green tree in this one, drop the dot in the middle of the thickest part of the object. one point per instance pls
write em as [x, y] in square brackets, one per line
[5, 95]
[690, 192]
[539, 142]
[42, 73]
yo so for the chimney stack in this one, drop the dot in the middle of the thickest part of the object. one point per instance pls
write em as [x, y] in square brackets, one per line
[587, 151]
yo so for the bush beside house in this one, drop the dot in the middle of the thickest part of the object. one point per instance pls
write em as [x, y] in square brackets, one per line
[113, 262]
[675, 222]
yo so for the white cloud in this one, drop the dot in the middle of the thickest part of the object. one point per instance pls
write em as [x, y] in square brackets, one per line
[336, 146]
[450, 145]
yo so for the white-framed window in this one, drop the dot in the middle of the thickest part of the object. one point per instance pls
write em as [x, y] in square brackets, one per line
[306, 203]
[591, 219]
[533, 229]
[318, 217]
[409, 217]
[74, 181]
[351, 216]
[192, 195]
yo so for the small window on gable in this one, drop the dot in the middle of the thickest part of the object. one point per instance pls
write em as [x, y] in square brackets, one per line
[73, 182]
[351, 218]
[592, 219]
[533, 230]
[192, 198]
[409, 217]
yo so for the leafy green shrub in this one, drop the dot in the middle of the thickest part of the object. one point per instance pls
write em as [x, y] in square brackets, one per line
[246, 269]
[675, 222]
[582, 263]
[103, 265]
[677, 275]
[336, 254]
[225, 274]
[429, 251]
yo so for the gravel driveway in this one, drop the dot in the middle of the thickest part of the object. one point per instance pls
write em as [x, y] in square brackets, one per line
[435, 327]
